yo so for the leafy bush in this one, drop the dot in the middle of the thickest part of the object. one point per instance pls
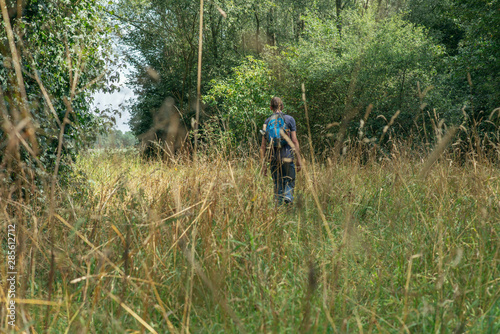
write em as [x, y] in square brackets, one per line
[66, 48]
[242, 100]
[371, 61]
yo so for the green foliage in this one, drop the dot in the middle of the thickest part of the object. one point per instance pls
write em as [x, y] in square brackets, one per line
[163, 35]
[243, 99]
[377, 62]
[437, 18]
[479, 53]
[374, 61]
[348, 54]
[470, 32]
[66, 45]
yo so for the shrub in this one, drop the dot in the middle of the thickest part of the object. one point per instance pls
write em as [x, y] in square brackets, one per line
[242, 100]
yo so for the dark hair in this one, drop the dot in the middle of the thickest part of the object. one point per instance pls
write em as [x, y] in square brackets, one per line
[276, 104]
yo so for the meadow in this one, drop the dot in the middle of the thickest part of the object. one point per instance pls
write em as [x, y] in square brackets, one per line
[383, 237]
[138, 246]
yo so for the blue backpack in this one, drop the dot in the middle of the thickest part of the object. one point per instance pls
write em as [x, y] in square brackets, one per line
[275, 124]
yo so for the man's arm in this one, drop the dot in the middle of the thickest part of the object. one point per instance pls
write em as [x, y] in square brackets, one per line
[293, 135]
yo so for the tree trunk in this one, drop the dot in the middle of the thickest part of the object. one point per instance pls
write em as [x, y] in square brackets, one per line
[257, 33]
[271, 30]
[338, 7]
[214, 30]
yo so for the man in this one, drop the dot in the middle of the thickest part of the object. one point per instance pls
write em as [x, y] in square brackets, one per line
[281, 157]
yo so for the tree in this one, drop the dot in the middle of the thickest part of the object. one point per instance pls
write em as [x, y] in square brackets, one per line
[348, 53]
[63, 50]
[242, 100]
[376, 61]
[479, 52]
[470, 72]
[162, 37]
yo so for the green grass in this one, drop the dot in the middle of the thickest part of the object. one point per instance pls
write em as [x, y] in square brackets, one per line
[201, 248]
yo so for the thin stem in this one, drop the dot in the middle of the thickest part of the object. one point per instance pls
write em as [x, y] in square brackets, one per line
[198, 88]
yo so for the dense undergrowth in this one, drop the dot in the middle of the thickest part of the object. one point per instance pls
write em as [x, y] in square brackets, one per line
[138, 246]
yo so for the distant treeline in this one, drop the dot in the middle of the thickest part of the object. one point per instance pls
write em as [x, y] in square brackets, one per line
[115, 139]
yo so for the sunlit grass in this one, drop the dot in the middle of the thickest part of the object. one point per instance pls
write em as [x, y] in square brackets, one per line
[201, 248]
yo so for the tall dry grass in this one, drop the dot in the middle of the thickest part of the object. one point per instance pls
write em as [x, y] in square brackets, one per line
[150, 246]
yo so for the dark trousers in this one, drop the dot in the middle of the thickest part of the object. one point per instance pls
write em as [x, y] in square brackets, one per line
[283, 174]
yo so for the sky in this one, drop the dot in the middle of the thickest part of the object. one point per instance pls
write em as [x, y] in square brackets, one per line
[113, 101]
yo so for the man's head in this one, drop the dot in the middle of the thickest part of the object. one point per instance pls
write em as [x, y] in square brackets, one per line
[276, 104]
